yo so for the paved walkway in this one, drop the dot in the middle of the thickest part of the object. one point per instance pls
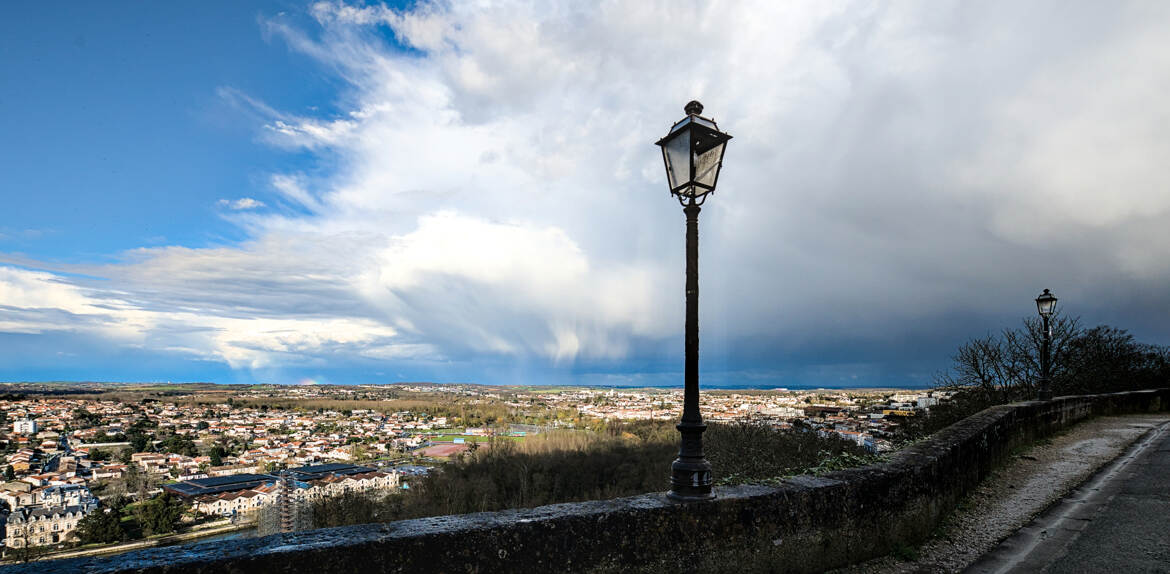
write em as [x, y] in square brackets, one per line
[1117, 522]
[1040, 477]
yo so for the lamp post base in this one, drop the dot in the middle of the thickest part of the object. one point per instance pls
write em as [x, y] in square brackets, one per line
[690, 474]
[675, 496]
[690, 482]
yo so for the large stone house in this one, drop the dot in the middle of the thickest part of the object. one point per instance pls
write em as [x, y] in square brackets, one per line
[42, 526]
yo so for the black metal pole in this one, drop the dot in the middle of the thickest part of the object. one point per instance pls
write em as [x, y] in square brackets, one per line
[1046, 363]
[690, 474]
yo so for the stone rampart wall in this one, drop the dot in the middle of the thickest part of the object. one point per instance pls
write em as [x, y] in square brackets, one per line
[807, 524]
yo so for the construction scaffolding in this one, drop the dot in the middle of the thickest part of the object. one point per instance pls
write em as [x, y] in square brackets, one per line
[287, 510]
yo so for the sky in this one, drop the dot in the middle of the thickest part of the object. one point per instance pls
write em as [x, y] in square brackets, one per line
[339, 192]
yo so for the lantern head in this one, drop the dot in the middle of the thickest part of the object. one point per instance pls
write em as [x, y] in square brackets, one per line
[1046, 304]
[693, 153]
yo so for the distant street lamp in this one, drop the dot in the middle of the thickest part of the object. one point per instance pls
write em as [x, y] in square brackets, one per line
[1046, 305]
[693, 153]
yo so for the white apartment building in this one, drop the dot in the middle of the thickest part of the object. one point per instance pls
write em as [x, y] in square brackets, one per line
[25, 426]
[251, 500]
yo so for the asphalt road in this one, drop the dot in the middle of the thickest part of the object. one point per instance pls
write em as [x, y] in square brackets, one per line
[1117, 522]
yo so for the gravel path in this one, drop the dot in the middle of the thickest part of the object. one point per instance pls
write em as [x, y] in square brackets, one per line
[1016, 493]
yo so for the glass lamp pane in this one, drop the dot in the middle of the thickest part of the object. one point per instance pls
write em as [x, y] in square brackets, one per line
[677, 153]
[1046, 303]
[707, 164]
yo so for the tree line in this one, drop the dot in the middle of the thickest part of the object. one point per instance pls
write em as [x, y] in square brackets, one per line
[1005, 366]
[119, 521]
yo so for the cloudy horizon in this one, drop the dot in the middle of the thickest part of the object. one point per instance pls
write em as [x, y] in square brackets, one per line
[469, 192]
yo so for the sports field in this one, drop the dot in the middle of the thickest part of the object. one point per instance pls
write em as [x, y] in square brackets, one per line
[443, 450]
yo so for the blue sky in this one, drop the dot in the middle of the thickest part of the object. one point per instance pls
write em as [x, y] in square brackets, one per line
[115, 136]
[273, 191]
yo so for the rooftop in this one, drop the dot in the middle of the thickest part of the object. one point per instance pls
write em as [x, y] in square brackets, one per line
[218, 484]
[317, 471]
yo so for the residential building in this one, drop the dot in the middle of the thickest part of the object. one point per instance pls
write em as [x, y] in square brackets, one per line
[42, 526]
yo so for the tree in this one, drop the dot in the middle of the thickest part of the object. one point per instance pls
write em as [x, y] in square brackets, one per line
[178, 445]
[359, 452]
[216, 456]
[85, 418]
[9, 473]
[143, 423]
[136, 481]
[203, 425]
[1006, 366]
[1106, 358]
[101, 526]
[159, 515]
[139, 442]
[117, 502]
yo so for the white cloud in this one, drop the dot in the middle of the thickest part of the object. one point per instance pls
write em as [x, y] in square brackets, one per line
[39, 303]
[497, 193]
[293, 189]
[241, 204]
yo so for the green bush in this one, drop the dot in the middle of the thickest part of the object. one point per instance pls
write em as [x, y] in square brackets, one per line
[159, 515]
[101, 526]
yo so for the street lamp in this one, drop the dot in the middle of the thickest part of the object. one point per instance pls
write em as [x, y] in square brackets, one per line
[1046, 305]
[693, 154]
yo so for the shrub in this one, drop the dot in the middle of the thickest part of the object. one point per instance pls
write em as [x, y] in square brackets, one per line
[620, 459]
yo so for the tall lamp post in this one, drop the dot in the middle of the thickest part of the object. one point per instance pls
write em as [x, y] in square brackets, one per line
[693, 154]
[1046, 305]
